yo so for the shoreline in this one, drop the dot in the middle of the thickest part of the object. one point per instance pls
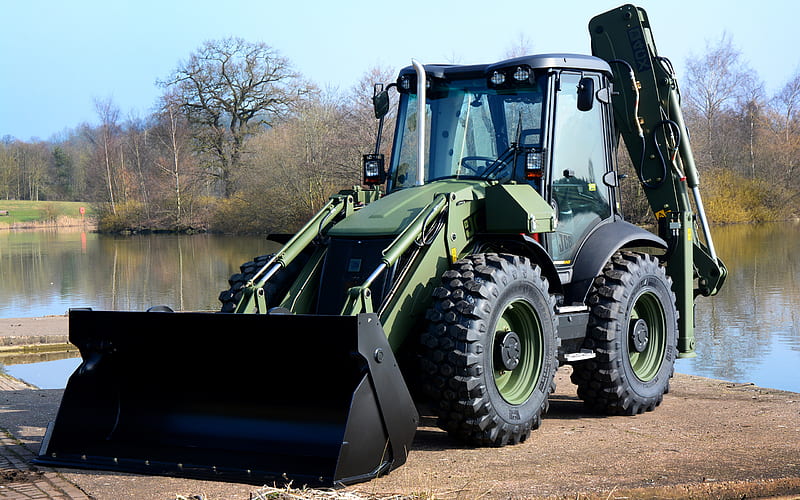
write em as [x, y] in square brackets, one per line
[46, 326]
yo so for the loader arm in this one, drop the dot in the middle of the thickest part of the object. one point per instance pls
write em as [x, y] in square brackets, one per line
[338, 206]
[646, 103]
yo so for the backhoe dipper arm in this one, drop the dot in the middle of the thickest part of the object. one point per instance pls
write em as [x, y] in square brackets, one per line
[646, 102]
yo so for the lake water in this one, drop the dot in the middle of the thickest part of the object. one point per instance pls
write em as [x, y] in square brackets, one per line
[48, 272]
[749, 333]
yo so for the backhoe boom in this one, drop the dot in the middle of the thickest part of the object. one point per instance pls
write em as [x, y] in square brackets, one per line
[646, 102]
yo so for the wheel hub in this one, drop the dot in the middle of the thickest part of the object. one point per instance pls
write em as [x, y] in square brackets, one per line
[508, 350]
[640, 334]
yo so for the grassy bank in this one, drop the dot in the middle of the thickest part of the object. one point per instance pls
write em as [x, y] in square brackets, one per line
[24, 214]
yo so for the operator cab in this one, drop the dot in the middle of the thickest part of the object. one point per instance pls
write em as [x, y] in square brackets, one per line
[542, 120]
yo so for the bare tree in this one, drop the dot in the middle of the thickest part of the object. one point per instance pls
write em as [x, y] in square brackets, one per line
[23, 169]
[787, 107]
[8, 171]
[750, 106]
[38, 158]
[109, 128]
[715, 81]
[172, 132]
[360, 114]
[520, 46]
[228, 87]
[136, 143]
[788, 102]
[305, 156]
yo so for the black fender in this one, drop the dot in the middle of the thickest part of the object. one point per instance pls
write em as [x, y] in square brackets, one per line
[598, 249]
[539, 256]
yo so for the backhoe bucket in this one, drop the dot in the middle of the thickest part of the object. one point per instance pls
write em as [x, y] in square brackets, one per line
[262, 399]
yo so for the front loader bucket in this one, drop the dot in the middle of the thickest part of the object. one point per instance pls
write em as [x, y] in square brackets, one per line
[262, 399]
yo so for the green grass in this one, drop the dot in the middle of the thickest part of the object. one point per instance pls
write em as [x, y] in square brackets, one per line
[21, 211]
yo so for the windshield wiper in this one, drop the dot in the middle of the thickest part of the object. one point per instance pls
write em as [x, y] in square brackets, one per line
[513, 147]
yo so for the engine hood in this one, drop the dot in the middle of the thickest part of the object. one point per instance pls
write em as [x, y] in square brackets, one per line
[392, 213]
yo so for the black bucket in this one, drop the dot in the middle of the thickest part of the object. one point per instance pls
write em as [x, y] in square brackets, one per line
[262, 399]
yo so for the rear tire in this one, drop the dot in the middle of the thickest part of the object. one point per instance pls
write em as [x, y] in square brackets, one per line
[633, 330]
[489, 354]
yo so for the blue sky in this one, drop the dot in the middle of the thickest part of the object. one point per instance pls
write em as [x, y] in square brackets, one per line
[58, 56]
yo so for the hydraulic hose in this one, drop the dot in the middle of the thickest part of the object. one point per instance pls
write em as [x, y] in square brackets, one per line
[639, 131]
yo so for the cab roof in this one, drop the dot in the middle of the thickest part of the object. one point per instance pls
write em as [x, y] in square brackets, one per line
[540, 61]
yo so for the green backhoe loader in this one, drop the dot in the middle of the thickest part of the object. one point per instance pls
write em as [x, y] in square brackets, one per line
[488, 251]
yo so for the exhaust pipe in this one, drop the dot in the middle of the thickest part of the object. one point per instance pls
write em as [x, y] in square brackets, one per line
[421, 103]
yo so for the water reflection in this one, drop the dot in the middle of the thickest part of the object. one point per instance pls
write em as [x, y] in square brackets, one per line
[47, 272]
[46, 374]
[750, 332]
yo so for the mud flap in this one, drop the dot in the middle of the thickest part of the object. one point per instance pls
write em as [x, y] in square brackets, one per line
[262, 399]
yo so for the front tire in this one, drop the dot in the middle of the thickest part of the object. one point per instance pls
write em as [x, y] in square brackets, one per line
[633, 331]
[489, 354]
[274, 290]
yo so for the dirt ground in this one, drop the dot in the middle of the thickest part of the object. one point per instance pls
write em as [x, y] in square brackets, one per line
[708, 439]
[29, 327]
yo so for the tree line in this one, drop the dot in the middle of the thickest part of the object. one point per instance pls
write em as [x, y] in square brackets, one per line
[241, 141]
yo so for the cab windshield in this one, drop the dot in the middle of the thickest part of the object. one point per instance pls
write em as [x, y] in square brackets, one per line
[473, 131]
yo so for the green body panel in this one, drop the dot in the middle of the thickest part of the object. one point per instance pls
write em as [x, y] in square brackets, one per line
[517, 207]
[400, 315]
[392, 214]
[404, 312]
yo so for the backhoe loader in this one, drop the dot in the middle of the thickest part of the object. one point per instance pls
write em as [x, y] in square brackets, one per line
[489, 250]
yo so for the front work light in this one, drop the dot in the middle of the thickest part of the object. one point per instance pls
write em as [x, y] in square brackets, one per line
[498, 78]
[373, 169]
[405, 83]
[511, 77]
[522, 73]
[533, 165]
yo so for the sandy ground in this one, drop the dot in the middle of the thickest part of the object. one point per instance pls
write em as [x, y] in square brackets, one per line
[28, 327]
[709, 439]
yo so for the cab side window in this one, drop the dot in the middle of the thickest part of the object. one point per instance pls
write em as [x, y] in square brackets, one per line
[580, 159]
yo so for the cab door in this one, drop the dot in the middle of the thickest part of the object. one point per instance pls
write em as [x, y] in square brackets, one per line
[579, 158]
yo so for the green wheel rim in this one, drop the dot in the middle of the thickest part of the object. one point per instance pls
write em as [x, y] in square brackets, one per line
[647, 363]
[516, 385]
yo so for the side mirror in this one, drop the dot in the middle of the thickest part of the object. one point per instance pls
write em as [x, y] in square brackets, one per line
[585, 94]
[374, 172]
[380, 101]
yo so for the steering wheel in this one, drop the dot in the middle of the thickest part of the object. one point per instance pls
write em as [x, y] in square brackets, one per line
[487, 162]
